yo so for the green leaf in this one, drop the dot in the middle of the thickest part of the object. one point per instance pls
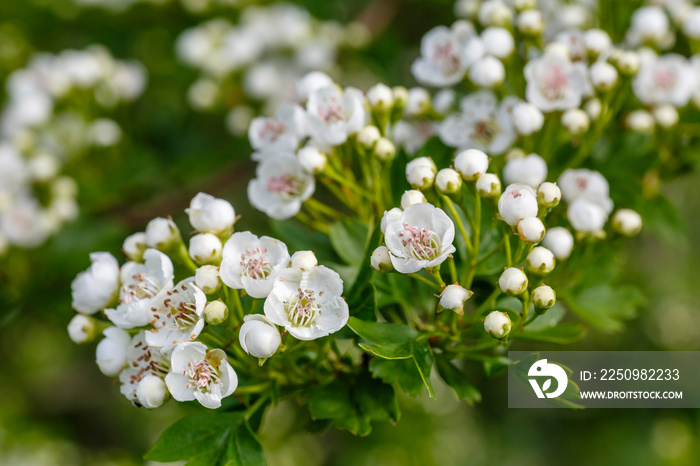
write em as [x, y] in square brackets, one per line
[604, 306]
[401, 371]
[423, 357]
[244, 449]
[348, 238]
[359, 286]
[456, 379]
[561, 334]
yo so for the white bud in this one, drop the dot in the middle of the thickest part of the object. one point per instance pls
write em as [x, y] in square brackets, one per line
[586, 216]
[487, 72]
[207, 279]
[488, 185]
[467, 8]
[216, 312]
[64, 186]
[448, 181]
[603, 75]
[530, 22]
[495, 13]
[540, 261]
[453, 298]
[530, 170]
[531, 230]
[666, 116]
[421, 173]
[380, 97]
[381, 260]
[627, 222]
[513, 282]
[111, 351]
[43, 166]
[393, 214]
[443, 101]
[385, 150]
[82, 329]
[151, 392]
[258, 336]
[304, 260]
[368, 136]
[543, 297]
[418, 101]
[628, 62]
[205, 248]
[162, 234]
[548, 195]
[210, 214]
[412, 197]
[516, 203]
[471, 163]
[575, 121]
[560, 241]
[498, 42]
[640, 121]
[400, 96]
[134, 246]
[597, 41]
[497, 324]
[593, 107]
[527, 118]
[312, 159]
[557, 48]
[691, 24]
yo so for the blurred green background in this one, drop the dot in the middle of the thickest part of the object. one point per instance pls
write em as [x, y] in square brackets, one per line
[56, 408]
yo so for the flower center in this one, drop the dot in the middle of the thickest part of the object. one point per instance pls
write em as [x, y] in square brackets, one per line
[485, 131]
[201, 375]
[665, 79]
[554, 84]
[287, 185]
[255, 263]
[148, 364]
[302, 309]
[142, 287]
[420, 244]
[330, 110]
[272, 130]
[444, 55]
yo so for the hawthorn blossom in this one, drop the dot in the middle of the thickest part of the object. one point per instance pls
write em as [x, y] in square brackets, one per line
[252, 263]
[111, 351]
[668, 79]
[279, 134]
[517, 202]
[530, 170]
[586, 184]
[142, 360]
[95, 288]
[420, 237]
[209, 214]
[308, 303]
[258, 336]
[281, 186]
[178, 317]
[555, 83]
[444, 58]
[332, 114]
[198, 374]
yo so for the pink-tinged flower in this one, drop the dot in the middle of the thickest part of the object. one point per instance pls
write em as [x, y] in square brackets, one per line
[95, 288]
[668, 79]
[279, 134]
[445, 57]
[586, 184]
[332, 115]
[280, 187]
[178, 317]
[517, 202]
[141, 361]
[555, 83]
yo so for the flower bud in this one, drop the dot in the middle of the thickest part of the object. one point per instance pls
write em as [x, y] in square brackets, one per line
[540, 261]
[691, 24]
[513, 282]
[586, 216]
[392, 214]
[597, 41]
[627, 222]
[519, 201]
[381, 260]
[497, 324]
[471, 163]
[207, 279]
[488, 72]
[162, 234]
[530, 170]
[467, 8]
[64, 186]
[82, 329]
[111, 351]
[421, 172]
[495, 13]
[560, 241]
[304, 260]
[258, 336]
[453, 298]
[151, 392]
[418, 103]
[548, 195]
[444, 101]
[209, 214]
[575, 121]
[640, 121]
[522, 5]
[593, 107]
[498, 42]
[448, 181]
[530, 22]
[312, 159]
[628, 62]
[368, 136]
[412, 197]
[400, 97]
[666, 116]
[603, 75]
[531, 230]
[216, 312]
[488, 185]
[543, 297]
[380, 97]
[384, 149]
[205, 248]
[134, 246]
[527, 118]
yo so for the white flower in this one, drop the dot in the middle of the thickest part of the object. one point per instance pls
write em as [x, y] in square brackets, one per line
[531, 230]
[393, 214]
[308, 304]
[497, 324]
[81, 329]
[649, 24]
[560, 241]
[488, 185]
[281, 186]
[586, 216]
[162, 233]
[421, 172]
[205, 248]
[151, 392]
[498, 42]
[453, 298]
[543, 297]
[668, 79]
[444, 100]
[527, 119]
[381, 260]
[513, 281]
[280, 134]
[444, 59]
[143, 285]
[487, 72]
[209, 214]
[519, 201]
[413, 135]
[691, 24]
[134, 246]
[333, 115]
[95, 288]
[540, 261]
[593, 108]
[471, 164]
[111, 351]
[258, 336]
[196, 374]
[530, 170]
[421, 237]
[178, 317]
[555, 83]
[627, 222]
[412, 197]
[304, 260]
[587, 184]
[311, 82]
[253, 263]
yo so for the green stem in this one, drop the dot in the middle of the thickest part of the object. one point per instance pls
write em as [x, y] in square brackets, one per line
[506, 239]
[453, 269]
[430, 283]
[255, 406]
[458, 221]
[251, 389]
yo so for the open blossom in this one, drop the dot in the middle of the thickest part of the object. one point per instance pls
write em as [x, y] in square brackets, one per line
[95, 288]
[179, 317]
[141, 361]
[445, 57]
[586, 184]
[283, 133]
[281, 186]
[517, 202]
[252, 263]
[143, 285]
[333, 115]
[210, 214]
[668, 79]
[420, 237]
[308, 303]
[481, 124]
[555, 83]
[111, 351]
[198, 374]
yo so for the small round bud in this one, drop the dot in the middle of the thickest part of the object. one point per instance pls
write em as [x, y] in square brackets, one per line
[593, 107]
[259, 337]
[527, 118]
[304, 260]
[488, 185]
[418, 103]
[627, 222]
[134, 246]
[412, 197]
[548, 195]
[151, 392]
[207, 279]
[312, 159]
[162, 234]
[381, 260]
[380, 97]
[498, 42]
[557, 48]
[64, 186]
[666, 116]
[586, 216]
[560, 241]
[543, 297]
[453, 298]
[400, 96]
[216, 312]
[640, 121]
[209, 214]
[517, 202]
[82, 329]
[421, 173]
[540, 261]
[628, 63]
[495, 13]
[448, 181]
[111, 351]
[497, 324]
[467, 8]
[597, 41]
[521, 5]
[513, 282]
[575, 121]
[471, 163]
[205, 248]
[444, 101]
[488, 72]
[43, 166]
[530, 170]
[385, 150]
[603, 75]
[530, 22]
[531, 230]
[368, 136]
